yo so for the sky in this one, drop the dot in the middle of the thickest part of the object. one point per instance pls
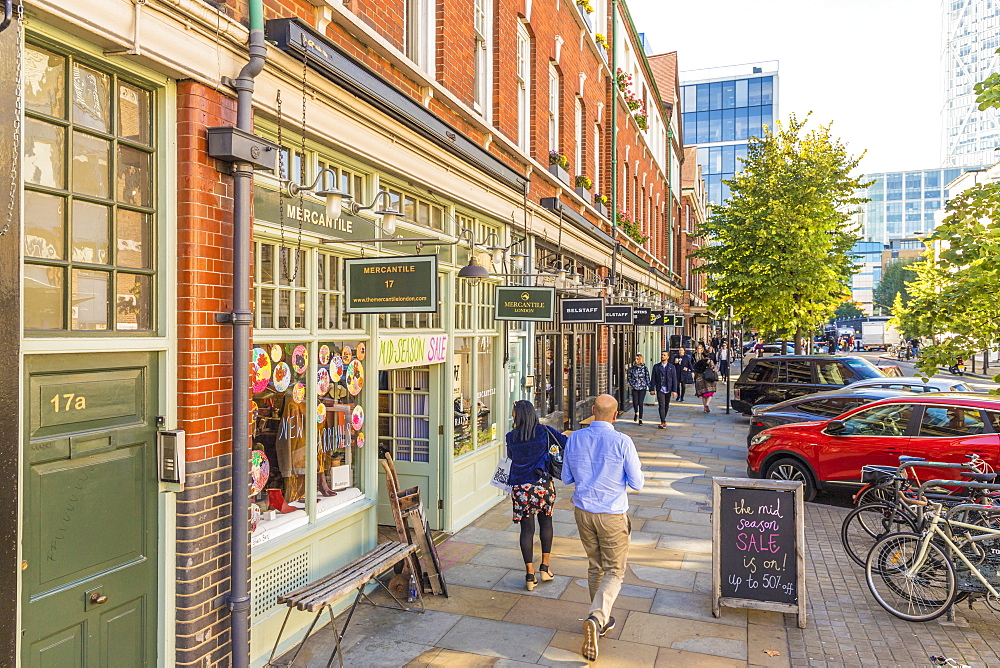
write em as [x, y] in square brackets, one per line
[873, 67]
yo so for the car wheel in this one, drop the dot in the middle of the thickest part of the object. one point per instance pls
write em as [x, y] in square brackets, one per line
[795, 471]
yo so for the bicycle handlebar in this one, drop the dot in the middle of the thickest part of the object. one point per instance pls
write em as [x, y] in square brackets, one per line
[994, 510]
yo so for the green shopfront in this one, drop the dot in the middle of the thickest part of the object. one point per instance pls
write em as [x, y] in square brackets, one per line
[343, 374]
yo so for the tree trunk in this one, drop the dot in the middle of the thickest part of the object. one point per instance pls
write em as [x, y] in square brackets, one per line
[798, 341]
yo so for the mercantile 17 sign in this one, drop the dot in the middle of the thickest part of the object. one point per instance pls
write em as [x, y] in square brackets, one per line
[520, 303]
[391, 284]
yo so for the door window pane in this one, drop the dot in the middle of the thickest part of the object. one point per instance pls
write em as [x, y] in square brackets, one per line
[90, 233]
[44, 290]
[797, 372]
[832, 373]
[888, 420]
[44, 150]
[91, 159]
[44, 82]
[44, 226]
[133, 114]
[90, 300]
[951, 421]
[133, 178]
[134, 243]
[91, 93]
[133, 303]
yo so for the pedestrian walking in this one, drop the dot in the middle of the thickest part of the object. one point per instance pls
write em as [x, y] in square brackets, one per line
[724, 356]
[685, 369]
[532, 492]
[758, 348]
[705, 376]
[602, 463]
[664, 385]
[638, 379]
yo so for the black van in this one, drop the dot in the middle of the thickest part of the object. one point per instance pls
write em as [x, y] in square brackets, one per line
[768, 380]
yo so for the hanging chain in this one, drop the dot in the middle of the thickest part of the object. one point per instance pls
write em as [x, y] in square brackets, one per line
[16, 135]
[281, 176]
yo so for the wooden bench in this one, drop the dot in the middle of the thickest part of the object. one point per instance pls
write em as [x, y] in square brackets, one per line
[356, 575]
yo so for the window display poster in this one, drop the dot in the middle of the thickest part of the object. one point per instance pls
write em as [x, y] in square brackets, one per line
[285, 396]
[463, 396]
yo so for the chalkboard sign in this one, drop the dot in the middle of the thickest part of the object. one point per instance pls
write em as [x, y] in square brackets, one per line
[758, 556]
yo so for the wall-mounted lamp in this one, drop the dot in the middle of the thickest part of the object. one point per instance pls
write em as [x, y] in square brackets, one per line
[336, 199]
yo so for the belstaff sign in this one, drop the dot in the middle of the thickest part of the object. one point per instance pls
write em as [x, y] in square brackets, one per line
[391, 284]
[572, 311]
[520, 303]
[618, 315]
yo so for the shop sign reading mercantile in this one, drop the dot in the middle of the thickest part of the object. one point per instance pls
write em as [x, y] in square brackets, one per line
[618, 315]
[310, 214]
[520, 303]
[407, 350]
[581, 310]
[391, 284]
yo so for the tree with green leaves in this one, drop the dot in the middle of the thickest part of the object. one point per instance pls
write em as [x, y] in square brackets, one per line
[893, 282]
[953, 301]
[847, 310]
[779, 247]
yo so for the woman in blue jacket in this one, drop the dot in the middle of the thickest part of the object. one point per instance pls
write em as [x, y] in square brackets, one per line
[532, 491]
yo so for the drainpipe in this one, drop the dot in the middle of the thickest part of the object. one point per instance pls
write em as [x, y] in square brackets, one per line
[614, 174]
[242, 319]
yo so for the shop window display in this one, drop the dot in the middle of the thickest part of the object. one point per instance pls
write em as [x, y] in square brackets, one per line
[486, 392]
[462, 396]
[290, 390]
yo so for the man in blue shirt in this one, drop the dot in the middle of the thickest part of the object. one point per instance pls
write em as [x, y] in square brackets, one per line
[602, 462]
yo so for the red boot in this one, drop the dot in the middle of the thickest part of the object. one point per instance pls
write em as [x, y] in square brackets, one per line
[276, 499]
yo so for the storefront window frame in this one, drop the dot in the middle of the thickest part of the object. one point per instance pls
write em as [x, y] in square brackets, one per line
[312, 336]
[155, 210]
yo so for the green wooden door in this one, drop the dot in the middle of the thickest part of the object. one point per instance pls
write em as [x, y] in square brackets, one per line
[89, 571]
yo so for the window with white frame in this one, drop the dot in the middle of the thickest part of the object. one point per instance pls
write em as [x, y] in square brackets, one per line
[578, 135]
[419, 31]
[554, 98]
[597, 157]
[523, 88]
[482, 61]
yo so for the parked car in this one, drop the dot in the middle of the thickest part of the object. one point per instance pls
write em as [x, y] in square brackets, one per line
[815, 407]
[770, 349]
[829, 454]
[770, 380]
[915, 384]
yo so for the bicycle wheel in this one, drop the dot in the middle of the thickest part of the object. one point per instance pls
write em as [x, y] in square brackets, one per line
[866, 524]
[920, 596]
[876, 494]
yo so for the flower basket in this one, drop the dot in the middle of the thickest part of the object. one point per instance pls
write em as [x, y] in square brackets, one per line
[583, 182]
[557, 158]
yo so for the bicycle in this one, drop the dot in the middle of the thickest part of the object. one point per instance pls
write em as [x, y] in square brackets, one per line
[915, 576]
[889, 509]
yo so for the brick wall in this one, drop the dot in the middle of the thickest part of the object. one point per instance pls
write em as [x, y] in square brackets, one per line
[204, 370]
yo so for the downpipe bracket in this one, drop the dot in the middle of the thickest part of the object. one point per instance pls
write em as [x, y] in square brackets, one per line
[234, 318]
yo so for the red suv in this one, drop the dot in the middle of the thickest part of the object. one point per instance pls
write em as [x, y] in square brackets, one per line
[830, 454]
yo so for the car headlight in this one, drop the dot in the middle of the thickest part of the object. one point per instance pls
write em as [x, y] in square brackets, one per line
[760, 439]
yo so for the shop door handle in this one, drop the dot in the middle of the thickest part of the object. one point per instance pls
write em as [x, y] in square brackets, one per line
[97, 598]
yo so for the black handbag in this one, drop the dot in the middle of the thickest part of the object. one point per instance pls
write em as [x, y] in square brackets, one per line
[554, 457]
[710, 375]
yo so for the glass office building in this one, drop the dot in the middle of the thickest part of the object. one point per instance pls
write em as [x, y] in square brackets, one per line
[971, 38]
[722, 108]
[903, 204]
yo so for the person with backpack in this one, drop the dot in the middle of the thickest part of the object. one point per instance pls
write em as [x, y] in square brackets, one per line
[535, 452]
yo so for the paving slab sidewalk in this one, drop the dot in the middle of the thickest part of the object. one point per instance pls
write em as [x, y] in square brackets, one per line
[664, 610]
